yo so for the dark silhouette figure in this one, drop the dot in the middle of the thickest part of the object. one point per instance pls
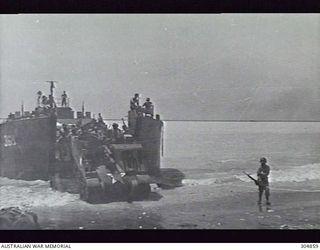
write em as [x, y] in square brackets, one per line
[134, 102]
[100, 120]
[263, 182]
[148, 108]
[39, 93]
[64, 99]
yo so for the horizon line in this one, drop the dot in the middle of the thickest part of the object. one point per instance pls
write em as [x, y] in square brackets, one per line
[214, 120]
[233, 120]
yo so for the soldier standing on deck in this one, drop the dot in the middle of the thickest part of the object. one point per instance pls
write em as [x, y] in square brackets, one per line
[51, 101]
[263, 182]
[148, 107]
[64, 99]
[39, 93]
[44, 101]
[116, 134]
[100, 120]
[134, 102]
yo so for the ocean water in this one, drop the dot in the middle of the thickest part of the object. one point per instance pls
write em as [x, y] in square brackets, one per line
[209, 153]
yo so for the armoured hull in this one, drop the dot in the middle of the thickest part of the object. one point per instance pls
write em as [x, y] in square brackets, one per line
[27, 148]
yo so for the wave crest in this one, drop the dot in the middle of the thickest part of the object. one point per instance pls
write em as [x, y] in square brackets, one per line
[282, 174]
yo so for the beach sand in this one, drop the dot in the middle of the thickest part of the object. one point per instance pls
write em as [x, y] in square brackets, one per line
[222, 206]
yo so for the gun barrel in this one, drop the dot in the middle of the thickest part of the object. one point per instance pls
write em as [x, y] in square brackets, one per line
[255, 181]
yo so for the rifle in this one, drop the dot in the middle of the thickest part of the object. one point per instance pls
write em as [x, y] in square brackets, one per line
[255, 181]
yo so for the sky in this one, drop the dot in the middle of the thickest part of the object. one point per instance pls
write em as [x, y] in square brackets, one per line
[193, 67]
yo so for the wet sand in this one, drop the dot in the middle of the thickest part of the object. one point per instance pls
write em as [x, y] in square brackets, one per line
[222, 206]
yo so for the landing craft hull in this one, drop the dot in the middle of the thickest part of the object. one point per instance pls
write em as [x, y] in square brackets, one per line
[27, 148]
[124, 171]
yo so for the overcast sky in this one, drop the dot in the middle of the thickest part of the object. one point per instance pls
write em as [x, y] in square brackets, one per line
[191, 66]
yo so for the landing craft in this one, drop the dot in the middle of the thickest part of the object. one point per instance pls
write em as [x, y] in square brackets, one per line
[82, 155]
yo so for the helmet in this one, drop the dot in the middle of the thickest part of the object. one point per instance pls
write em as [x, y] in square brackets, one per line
[263, 159]
[136, 95]
[148, 99]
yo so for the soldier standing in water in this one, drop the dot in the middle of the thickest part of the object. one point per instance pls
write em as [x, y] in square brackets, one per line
[263, 182]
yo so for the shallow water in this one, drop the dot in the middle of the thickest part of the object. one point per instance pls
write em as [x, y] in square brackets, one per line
[217, 148]
[211, 154]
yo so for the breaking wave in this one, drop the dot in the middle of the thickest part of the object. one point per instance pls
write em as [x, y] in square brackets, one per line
[26, 194]
[287, 174]
[208, 181]
[292, 174]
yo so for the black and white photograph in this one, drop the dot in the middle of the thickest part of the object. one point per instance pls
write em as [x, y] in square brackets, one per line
[159, 121]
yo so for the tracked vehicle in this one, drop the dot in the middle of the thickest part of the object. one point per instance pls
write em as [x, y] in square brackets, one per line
[107, 169]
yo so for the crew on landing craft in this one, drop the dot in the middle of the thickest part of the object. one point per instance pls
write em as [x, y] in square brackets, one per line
[100, 120]
[51, 101]
[148, 108]
[134, 102]
[64, 99]
[116, 135]
[39, 93]
[44, 101]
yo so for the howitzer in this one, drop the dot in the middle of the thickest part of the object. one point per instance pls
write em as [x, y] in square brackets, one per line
[255, 181]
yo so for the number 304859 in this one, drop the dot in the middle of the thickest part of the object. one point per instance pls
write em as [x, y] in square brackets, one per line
[309, 246]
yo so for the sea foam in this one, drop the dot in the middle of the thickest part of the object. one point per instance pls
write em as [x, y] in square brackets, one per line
[285, 174]
[26, 194]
